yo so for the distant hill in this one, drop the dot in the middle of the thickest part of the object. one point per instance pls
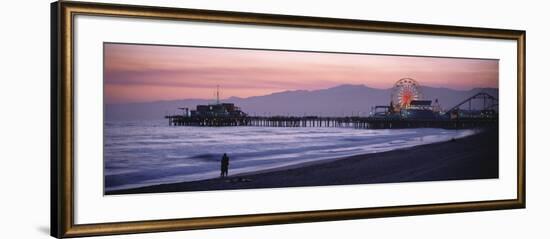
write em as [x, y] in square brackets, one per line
[343, 100]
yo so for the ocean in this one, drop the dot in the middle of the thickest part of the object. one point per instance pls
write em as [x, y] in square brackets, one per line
[143, 153]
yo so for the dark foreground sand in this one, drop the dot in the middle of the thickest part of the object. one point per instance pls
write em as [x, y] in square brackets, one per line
[473, 157]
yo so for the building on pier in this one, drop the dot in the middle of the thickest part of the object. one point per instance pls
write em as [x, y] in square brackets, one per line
[419, 109]
[216, 110]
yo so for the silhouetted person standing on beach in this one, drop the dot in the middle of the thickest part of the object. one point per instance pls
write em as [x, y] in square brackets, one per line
[225, 165]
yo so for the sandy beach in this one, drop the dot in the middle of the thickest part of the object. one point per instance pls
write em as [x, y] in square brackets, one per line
[472, 157]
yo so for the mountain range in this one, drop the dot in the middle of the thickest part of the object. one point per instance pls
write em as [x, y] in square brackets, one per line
[343, 100]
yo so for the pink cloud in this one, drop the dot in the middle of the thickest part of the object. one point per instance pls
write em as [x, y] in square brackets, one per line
[136, 73]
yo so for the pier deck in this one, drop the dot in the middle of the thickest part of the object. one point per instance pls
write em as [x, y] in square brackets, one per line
[315, 121]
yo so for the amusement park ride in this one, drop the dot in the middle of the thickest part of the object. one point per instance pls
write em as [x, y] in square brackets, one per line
[407, 102]
[407, 109]
[404, 92]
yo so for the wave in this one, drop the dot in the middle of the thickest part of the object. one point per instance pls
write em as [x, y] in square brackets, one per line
[148, 153]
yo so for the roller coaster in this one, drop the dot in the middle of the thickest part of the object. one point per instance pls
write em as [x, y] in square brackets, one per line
[485, 97]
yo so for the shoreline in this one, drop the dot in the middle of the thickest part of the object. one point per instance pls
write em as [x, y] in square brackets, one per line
[471, 157]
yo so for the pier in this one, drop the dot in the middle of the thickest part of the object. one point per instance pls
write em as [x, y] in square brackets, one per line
[407, 109]
[341, 122]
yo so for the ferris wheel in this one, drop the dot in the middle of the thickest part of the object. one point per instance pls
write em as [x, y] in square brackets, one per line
[404, 91]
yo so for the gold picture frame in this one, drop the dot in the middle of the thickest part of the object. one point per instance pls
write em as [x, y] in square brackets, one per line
[62, 128]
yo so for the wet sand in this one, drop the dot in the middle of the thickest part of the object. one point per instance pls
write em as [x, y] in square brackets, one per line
[472, 157]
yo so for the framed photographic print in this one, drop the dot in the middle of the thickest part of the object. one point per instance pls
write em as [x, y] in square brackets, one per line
[170, 119]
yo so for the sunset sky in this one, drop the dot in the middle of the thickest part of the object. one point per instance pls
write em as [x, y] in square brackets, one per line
[142, 73]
